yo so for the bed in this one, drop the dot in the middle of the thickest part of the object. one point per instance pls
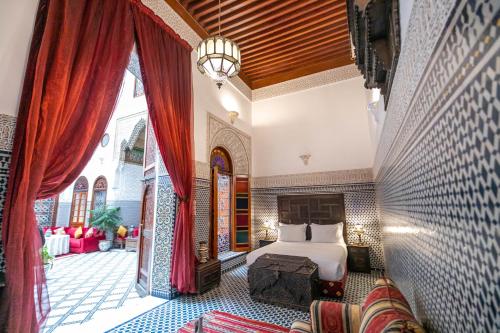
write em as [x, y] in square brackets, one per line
[331, 258]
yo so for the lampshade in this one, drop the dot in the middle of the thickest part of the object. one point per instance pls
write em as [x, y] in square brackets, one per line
[219, 58]
[358, 228]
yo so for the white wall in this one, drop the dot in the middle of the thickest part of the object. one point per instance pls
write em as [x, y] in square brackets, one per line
[16, 28]
[328, 122]
[208, 98]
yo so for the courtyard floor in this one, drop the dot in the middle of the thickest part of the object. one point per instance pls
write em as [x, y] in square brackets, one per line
[80, 285]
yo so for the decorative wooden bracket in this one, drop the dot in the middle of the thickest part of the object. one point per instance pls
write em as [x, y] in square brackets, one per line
[375, 33]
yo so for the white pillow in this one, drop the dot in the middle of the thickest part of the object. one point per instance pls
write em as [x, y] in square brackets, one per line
[328, 233]
[292, 233]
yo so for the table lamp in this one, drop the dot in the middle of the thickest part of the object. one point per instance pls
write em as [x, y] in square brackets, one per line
[359, 230]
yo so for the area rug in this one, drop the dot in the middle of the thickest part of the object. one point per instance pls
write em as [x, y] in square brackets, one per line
[217, 321]
[232, 297]
[80, 285]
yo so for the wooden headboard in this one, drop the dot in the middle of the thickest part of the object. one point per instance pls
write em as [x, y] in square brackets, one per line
[316, 208]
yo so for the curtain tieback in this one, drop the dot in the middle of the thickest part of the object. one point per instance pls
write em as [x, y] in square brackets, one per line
[184, 199]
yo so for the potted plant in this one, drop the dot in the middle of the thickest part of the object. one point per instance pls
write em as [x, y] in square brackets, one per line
[107, 220]
[47, 259]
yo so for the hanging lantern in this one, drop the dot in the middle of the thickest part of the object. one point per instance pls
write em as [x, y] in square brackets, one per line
[219, 58]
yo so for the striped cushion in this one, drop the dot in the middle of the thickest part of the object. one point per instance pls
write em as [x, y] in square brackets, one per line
[333, 317]
[386, 310]
[300, 326]
[217, 321]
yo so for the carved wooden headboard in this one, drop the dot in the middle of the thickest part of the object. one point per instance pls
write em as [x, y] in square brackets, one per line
[316, 208]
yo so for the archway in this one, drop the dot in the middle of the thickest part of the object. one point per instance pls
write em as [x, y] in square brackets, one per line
[221, 202]
[99, 193]
[79, 203]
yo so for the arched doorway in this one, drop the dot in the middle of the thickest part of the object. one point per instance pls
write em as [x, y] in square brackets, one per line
[79, 203]
[99, 193]
[221, 202]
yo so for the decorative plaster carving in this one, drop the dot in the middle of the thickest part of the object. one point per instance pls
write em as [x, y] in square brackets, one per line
[237, 143]
[241, 86]
[315, 178]
[7, 129]
[202, 170]
[306, 82]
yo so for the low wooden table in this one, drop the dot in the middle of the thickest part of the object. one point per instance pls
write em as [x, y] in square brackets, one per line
[283, 280]
[207, 275]
[131, 243]
[119, 243]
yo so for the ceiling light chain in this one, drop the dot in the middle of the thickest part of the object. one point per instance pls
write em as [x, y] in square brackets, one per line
[219, 57]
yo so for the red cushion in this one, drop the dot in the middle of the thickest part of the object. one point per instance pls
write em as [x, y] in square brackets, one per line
[333, 317]
[386, 310]
[73, 242]
[135, 233]
[71, 232]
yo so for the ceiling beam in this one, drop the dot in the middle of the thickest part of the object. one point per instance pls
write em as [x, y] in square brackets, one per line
[205, 14]
[251, 12]
[309, 13]
[327, 37]
[342, 47]
[292, 34]
[186, 16]
[293, 62]
[307, 70]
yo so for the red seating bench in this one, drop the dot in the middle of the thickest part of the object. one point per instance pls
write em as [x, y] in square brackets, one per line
[82, 244]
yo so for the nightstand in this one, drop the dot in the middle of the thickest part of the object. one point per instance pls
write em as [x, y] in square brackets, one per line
[358, 258]
[207, 275]
[264, 242]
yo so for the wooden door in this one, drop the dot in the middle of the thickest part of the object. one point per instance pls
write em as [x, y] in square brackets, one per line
[145, 241]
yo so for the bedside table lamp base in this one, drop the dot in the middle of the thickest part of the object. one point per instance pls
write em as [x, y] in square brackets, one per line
[359, 239]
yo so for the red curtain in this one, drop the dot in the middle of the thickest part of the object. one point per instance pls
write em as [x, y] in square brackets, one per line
[166, 73]
[78, 56]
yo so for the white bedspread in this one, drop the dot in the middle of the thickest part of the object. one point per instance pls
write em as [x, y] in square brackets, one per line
[330, 257]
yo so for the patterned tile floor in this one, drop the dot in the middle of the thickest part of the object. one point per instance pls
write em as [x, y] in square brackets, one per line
[80, 285]
[232, 296]
[227, 255]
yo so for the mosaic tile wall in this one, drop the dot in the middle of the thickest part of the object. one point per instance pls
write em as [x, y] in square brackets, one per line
[438, 167]
[202, 211]
[4, 176]
[45, 211]
[7, 129]
[166, 204]
[360, 205]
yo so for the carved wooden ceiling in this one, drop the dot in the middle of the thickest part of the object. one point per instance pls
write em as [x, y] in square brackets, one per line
[279, 40]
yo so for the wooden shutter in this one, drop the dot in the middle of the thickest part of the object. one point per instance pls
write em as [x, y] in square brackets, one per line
[242, 229]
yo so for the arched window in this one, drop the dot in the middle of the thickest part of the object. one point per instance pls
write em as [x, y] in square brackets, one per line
[79, 203]
[221, 202]
[100, 191]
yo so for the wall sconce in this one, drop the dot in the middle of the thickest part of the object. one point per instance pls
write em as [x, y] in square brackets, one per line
[305, 158]
[233, 115]
[359, 230]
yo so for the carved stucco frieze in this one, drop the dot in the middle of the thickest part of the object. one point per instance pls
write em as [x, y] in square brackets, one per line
[237, 143]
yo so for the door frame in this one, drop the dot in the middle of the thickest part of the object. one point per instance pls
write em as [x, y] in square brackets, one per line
[140, 289]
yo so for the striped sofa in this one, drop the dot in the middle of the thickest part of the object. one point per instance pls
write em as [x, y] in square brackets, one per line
[384, 310]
